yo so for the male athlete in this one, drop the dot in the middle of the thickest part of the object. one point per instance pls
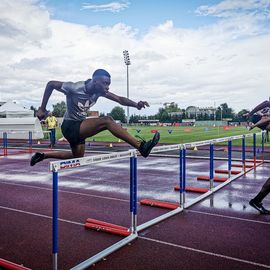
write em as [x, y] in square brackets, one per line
[76, 127]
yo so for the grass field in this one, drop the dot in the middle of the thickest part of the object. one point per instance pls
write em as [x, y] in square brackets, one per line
[176, 135]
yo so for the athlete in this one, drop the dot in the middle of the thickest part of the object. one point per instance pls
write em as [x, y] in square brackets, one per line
[76, 127]
[260, 116]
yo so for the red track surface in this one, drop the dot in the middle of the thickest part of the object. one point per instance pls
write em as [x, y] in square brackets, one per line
[220, 232]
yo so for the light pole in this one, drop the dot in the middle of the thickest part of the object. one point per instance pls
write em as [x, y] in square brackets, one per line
[127, 62]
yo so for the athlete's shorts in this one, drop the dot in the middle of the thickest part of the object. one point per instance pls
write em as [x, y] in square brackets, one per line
[71, 131]
[256, 118]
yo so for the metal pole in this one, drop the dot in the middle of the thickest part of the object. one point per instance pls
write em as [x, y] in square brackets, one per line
[133, 193]
[181, 176]
[5, 143]
[211, 166]
[254, 150]
[127, 95]
[230, 157]
[263, 146]
[30, 141]
[55, 219]
[127, 62]
[184, 176]
[244, 152]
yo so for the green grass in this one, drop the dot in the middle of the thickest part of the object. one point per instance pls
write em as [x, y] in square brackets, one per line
[178, 134]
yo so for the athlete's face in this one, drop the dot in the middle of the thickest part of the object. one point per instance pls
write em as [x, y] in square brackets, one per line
[101, 85]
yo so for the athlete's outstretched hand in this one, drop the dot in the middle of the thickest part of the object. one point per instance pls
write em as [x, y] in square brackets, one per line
[142, 104]
[41, 114]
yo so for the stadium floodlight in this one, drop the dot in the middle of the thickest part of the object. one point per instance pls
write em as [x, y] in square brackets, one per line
[127, 62]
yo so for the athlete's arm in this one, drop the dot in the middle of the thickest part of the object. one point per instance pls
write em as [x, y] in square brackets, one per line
[125, 101]
[51, 85]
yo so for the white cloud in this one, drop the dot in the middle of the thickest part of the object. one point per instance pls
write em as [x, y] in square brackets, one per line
[229, 8]
[112, 7]
[223, 62]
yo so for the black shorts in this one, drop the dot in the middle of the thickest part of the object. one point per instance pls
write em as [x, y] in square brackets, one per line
[256, 118]
[71, 131]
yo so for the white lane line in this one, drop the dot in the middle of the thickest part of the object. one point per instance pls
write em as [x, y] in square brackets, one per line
[229, 217]
[205, 252]
[68, 192]
[39, 215]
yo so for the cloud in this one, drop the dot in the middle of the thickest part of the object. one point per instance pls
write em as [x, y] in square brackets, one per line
[112, 7]
[221, 62]
[229, 8]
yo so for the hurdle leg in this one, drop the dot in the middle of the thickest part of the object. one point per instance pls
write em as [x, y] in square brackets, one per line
[55, 220]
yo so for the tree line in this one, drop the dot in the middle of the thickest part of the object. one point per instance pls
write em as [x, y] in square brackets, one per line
[169, 113]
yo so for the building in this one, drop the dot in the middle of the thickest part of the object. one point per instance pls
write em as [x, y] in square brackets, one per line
[194, 112]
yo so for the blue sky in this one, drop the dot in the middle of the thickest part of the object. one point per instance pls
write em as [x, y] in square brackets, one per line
[198, 53]
[140, 14]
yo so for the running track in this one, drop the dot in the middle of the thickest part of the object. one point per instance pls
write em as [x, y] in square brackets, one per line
[220, 232]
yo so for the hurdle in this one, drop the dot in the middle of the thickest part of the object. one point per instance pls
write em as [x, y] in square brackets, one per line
[174, 207]
[182, 188]
[57, 166]
[29, 135]
[130, 234]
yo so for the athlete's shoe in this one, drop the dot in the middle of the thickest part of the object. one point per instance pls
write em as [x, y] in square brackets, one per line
[259, 207]
[146, 147]
[37, 157]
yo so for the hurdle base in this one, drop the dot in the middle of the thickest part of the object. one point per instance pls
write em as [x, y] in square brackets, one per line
[207, 178]
[192, 189]
[160, 204]
[103, 226]
[11, 266]
[227, 171]
[241, 165]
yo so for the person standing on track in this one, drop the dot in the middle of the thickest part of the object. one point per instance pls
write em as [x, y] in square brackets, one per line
[76, 127]
[51, 123]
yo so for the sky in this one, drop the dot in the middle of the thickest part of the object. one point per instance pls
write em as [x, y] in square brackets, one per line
[194, 52]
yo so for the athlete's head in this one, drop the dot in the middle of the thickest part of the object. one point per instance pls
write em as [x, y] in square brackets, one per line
[101, 73]
[101, 81]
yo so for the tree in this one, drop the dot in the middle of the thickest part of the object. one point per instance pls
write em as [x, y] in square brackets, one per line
[59, 109]
[223, 111]
[171, 107]
[163, 115]
[118, 113]
[239, 116]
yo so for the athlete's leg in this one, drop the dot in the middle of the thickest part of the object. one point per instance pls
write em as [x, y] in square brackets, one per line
[264, 191]
[92, 126]
[76, 151]
[257, 201]
[264, 120]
